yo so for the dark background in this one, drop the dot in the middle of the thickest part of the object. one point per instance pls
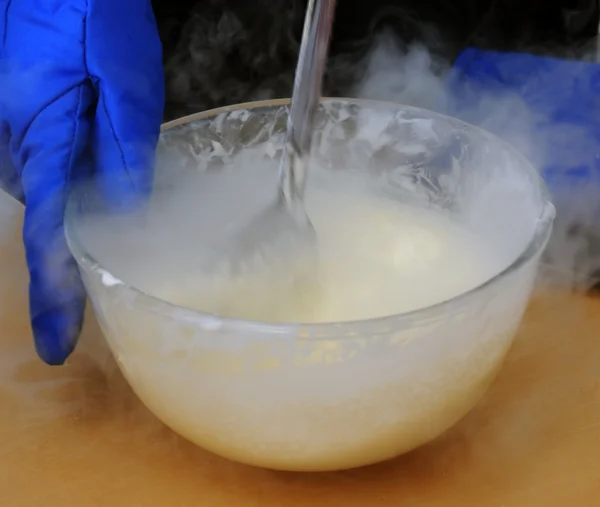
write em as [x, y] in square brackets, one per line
[219, 52]
[543, 25]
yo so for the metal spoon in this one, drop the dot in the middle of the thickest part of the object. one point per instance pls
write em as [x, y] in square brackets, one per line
[281, 240]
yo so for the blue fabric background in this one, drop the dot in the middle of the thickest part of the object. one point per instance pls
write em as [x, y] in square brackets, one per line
[549, 103]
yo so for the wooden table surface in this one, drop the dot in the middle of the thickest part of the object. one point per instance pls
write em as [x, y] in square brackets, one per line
[77, 436]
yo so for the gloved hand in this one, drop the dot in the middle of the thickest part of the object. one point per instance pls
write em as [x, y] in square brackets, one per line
[81, 95]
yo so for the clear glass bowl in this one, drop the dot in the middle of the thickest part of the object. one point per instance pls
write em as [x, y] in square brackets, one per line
[329, 396]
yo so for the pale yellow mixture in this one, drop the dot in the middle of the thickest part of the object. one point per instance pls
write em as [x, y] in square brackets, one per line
[375, 259]
[287, 401]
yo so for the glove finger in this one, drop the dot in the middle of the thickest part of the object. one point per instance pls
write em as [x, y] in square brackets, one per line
[125, 55]
[54, 144]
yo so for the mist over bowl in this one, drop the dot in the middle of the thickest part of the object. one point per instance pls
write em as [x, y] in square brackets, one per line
[312, 396]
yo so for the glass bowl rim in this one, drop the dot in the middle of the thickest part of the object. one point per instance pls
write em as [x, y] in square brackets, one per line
[377, 325]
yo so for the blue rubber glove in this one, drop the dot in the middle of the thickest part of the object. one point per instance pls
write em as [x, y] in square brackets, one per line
[81, 95]
[548, 107]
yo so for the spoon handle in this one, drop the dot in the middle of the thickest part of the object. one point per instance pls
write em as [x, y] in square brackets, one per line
[305, 96]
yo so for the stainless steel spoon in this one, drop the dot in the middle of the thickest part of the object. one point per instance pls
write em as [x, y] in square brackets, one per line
[281, 239]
